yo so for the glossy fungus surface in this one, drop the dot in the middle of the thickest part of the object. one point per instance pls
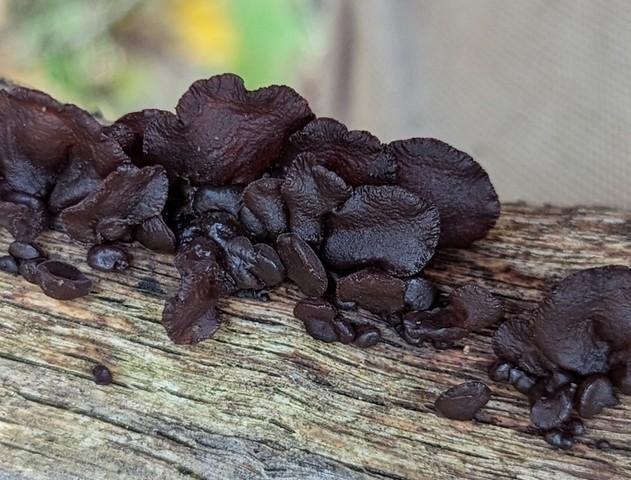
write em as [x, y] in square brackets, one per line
[454, 182]
[108, 258]
[572, 350]
[127, 198]
[385, 227]
[595, 393]
[323, 322]
[191, 315]
[101, 375]
[470, 309]
[373, 290]
[24, 215]
[62, 281]
[25, 251]
[302, 264]
[60, 142]
[317, 316]
[28, 269]
[463, 401]
[8, 264]
[311, 192]
[578, 328]
[247, 189]
[355, 155]
[264, 214]
[156, 235]
[223, 133]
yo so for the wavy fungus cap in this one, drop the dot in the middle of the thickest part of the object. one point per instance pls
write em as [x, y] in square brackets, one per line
[311, 192]
[387, 227]
[454, 182]
[44, 142]
[355, 155]
[128, 197]
[579, 327]
[224, 133]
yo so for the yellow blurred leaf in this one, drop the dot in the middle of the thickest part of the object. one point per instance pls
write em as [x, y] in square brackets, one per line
[205, 31]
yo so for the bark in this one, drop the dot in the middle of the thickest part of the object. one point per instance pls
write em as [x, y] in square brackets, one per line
[264, 400]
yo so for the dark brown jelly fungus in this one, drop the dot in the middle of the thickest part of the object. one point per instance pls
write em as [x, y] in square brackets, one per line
[470, 309]
[267, 265]
[551, 410]
[129, 132]
[356, 156]
[224, 134]
[373, 290]
[593, 394]
[62, 281]
[102, 375]
[575, 427]
[418, 327]
[219, 226]
[127, 198]
[91, 159]
[557, 379]
[264, 215]
[454, 182]
[315, 308]
[386, 227]
[331, 294]
[511, 342]
[238, 259]
[621, 378]
[25, 251]
[346, 331]
[366, 335]
[311, 192]
[199, 258]
[191, 315]
[317, 315]
[218, 199]
[521, 380]
[8, 264]
[420, 293]
[474, 308]
[302, 264]
[26, 224]
[156, 235]
[500, 370]
[559, 439]
[108, 258]
[463, 401]
[582, 323]
[41, 138]
[604, 445]
[18, 220]
[28, 269]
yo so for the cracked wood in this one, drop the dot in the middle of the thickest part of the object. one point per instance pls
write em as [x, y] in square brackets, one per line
[264, 400]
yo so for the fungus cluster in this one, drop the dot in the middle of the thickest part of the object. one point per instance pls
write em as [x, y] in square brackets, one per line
[572, 353]
[247, 189]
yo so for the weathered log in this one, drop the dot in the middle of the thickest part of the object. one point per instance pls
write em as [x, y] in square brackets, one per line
[264, 400]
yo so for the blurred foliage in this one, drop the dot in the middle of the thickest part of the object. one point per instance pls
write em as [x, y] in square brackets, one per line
[120, 55]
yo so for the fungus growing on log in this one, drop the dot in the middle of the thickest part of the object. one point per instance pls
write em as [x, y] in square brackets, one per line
[573, 349]
[247, 188]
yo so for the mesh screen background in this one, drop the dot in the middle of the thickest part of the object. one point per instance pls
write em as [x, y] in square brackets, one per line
[537, 91]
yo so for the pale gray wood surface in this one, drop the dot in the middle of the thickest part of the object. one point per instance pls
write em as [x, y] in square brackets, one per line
[264, 400]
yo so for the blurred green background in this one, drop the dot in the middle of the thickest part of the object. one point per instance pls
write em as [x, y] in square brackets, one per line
[116, 56]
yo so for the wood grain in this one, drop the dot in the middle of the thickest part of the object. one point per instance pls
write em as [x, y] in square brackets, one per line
[264, 400]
